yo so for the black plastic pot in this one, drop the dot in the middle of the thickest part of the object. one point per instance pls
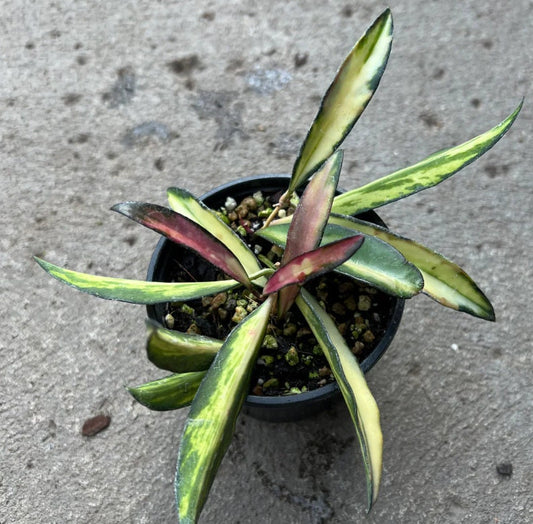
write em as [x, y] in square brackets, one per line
[282, 408]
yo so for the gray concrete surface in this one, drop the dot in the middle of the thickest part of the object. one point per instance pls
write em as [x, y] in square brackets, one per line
[110, 101]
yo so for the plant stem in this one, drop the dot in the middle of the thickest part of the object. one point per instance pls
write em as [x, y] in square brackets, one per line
[266, 272]
[283, 201]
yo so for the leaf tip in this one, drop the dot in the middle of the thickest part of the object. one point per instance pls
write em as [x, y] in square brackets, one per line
[176, 191]
[125, 208]
[386, 14]
[514, 115]
[385, 18]
[336, 160]
[370, 505]
[135, 393]
[489, 313]
[43, 263]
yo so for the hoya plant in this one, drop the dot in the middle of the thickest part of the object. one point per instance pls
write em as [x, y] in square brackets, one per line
[322, 235]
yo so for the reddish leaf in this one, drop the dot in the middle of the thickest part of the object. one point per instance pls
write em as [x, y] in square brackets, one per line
[309, 220]
[311, 215]
[313, 263]
[184, 231]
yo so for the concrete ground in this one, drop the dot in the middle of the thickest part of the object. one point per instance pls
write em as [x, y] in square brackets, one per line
[104, 102]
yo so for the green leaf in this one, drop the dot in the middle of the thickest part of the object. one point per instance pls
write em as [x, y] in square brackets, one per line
[135, 291]
[185, 204]
[351, 380]
[444, 281]
[179, 352]
[426, 173]
[173, 392]
[211, 421]
[185, 232]
[345, 99]
[376, 262]
[308, 221]
[313, 264]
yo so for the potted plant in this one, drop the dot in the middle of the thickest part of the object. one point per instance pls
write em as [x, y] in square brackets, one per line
[309, 377]
[318, 237]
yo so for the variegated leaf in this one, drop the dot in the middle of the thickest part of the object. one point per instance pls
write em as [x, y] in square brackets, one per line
[135, 291]
[376, 262]
[179, 352]
[426, 173]
[211, 421]
[351, 380]
[313, 264]
[173, 392]
[311, 214]
[187, 205]
[309, 220]
[185, 232]
[444, 281]
[345, 99]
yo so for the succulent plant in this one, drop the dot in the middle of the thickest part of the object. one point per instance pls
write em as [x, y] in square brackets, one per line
[322, 235]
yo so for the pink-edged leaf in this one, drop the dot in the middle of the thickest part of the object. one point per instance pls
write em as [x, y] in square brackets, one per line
[313, 263]
[184, 231]
[309, 220]
[311, 215]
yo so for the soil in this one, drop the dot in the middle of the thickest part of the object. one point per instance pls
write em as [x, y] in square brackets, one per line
[290, 360]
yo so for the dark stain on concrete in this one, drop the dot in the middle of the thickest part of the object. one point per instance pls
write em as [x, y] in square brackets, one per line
[285, 145]
[430, 120]
[51, 430]
[235, 65]
[159, 164]
[319, 454]
[131, 240]
[497, 353]
[494, 170]
[208, 15]
[123, 90]
[71, 98]
[317, 507]
[81, 138]
[236, 450]
[415, 369]
[438, 74]
[186, 65]
[504, 469]
[300, 59]
[222, 107]
[347, 11]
